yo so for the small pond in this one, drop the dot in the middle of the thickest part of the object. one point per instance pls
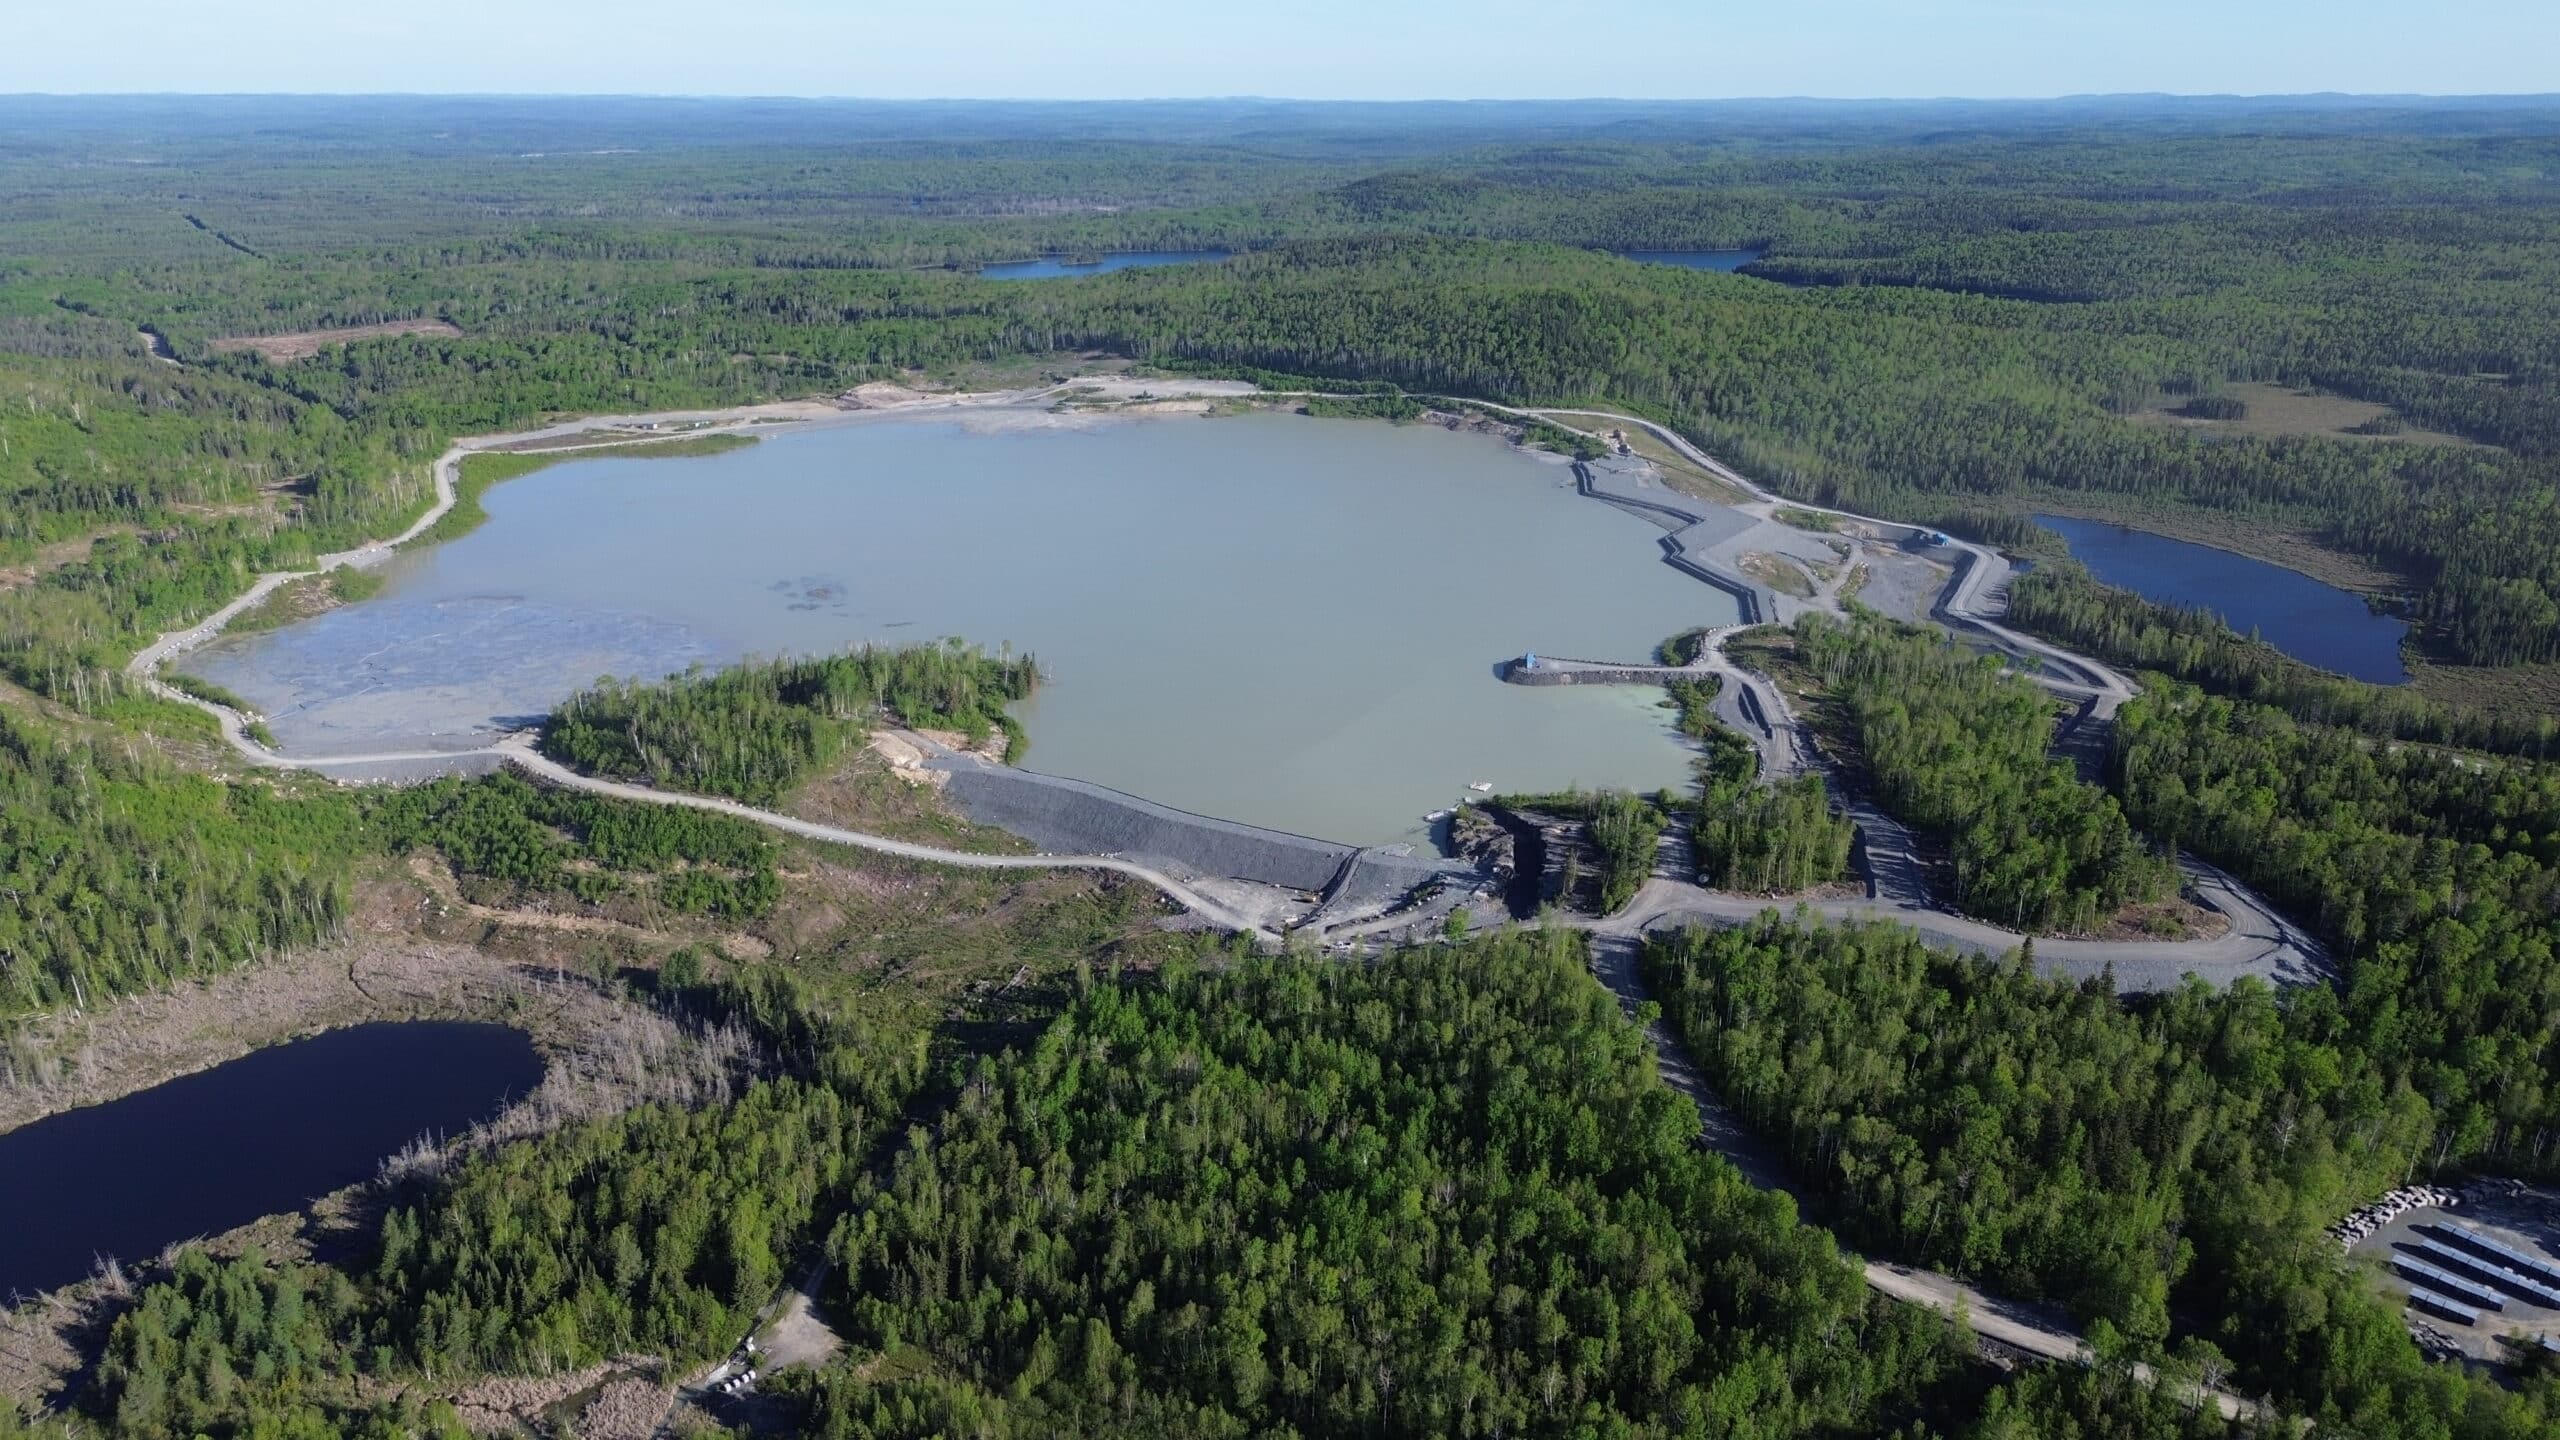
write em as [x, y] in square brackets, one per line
[2314, 622]
[259, 1136]
[1054, 267]
[1727, 261]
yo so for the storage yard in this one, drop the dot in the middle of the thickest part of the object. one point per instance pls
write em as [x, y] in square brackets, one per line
[2477, 1268]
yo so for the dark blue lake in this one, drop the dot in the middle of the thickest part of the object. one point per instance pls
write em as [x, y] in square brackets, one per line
[1727, 261]
[1051, 267]
[259, 1136]
[2313, 622]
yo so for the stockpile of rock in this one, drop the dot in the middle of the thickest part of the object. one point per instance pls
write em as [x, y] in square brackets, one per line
[2362, 1223]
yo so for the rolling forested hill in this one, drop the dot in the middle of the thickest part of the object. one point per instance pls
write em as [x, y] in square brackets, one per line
[1074, 1177]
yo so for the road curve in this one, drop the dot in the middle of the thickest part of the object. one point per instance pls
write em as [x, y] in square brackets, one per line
[1963, 602]
[2258, 941]
[519, 752]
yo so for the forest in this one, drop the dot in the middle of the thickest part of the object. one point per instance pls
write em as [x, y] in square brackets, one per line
[2060, 601]
[2132, 1160]
[660, 1231]
[2434, 875]
[1441, 1195]
[2413, 269]
[125, 872]
[1959, 748]
[753, 732]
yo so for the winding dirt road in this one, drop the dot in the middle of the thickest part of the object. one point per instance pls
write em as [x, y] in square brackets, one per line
[519, 752]
[2259, 942]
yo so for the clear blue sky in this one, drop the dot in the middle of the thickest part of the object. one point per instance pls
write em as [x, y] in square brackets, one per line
[1319, 49]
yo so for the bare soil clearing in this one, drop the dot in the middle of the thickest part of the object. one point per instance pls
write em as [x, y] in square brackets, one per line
[606, 1400]
[1678, 470]
[303, 344]
[799, 1335]
[53, 557]
[1782, 573]
[432, 873]
[886, 789]
[2280, 410]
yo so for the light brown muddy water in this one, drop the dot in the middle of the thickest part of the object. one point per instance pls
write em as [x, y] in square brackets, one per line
[1282, 621]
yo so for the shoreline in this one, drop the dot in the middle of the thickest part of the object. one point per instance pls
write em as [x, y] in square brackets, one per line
[1258, 909]
[779, 416]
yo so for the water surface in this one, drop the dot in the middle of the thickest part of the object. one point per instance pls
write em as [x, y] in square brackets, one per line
[2311, 621]
[1727, 261]
[258, 1136]
[1053, 267]
[1267, 618]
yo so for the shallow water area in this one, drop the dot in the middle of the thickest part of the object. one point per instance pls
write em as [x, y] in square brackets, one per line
[261, 1135]
[1288, 622]
[1055, 267]
[2311, 621]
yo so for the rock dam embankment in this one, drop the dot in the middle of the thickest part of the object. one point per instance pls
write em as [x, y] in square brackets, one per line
[1078, 817]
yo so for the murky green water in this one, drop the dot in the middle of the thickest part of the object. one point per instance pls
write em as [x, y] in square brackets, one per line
[1283, 621]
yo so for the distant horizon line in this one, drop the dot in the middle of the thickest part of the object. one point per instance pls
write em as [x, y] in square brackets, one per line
[2361, 96]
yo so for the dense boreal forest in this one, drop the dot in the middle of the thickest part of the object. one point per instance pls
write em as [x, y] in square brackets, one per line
[1441, 1193]
[1958, 747]
[122, 871]
[753, 732]
[659, 1231]
[2434, 875]
[2132, 1160]
[223, 1341]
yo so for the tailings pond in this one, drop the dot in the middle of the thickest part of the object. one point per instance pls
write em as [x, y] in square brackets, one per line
[2313, 622]
[1287, 622]
[261, 1135]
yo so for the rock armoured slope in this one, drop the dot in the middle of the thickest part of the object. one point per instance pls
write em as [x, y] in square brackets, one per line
[1079, 817]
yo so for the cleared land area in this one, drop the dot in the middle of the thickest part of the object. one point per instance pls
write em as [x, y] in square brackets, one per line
[303, 344]
[2277, 411]
[1679, 471]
